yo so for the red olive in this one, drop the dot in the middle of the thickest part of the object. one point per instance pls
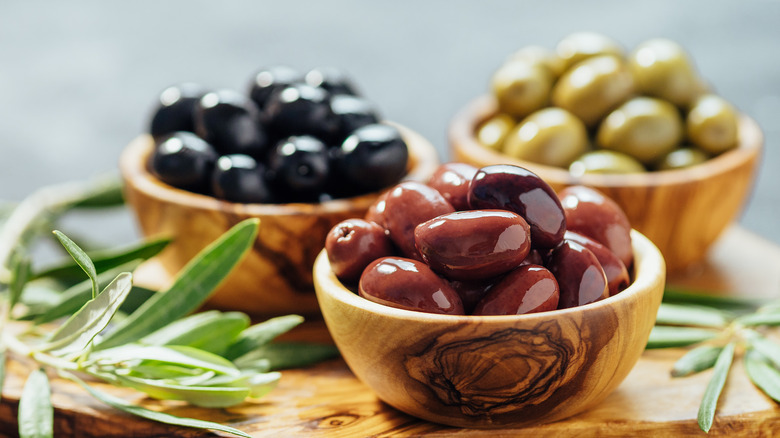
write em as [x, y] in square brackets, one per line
[472, 291]
[519, 190]
[376, 212]
[533, 258]
[580, 277]
[527, 289]
[452, 180]
[353, 244]
[614, 269]
[590, 213]
[407, 205]
[408, 284]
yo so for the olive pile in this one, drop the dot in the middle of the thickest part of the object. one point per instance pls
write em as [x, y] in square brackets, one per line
[590, 107]
[491, 241]
[293, 138]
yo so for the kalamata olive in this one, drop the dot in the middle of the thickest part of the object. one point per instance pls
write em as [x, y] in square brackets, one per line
[353, 112]
[230, 122]
[493, 132]
[176, 109]
[353, 244]
[183, 160]
[332, 79]
[270, 79]
[376, 211]
[712, 124]
[240, 178]
[527, 289]
[605, 161]
[470, 245]
[533, 258]
[581, 279]
[519, 190]
[407, 205]
[408, 284]
[614, 269]
[300, 109]
[452, 180]
[590, 213]
[550, 136]
[662, 68]
[521, 88]
[298, 168]
[682, 158]
[472, 291]
[540, 56]
[372, 157]
[582, 45]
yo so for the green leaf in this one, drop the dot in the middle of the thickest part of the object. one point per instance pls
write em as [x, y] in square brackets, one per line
[106, 260]
[699, 359]
[686, 314]
[107, 193]
[764, 346]
[712, 393]
[259, 383]
[36, 414]
[172, 354]
[160, 370]
[210, 331]
[289, 355]
[260, 334]
[203, 396]
[191, 287]
[2, 371]
[20, 275]
[664, 336]
[755, 319]
[763, 375]
[79, 330]
[138, 296]
[160, 417]
[710, 299]
[81, 258]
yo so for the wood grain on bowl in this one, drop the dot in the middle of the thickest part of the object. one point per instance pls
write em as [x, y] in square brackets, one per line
[682, 211]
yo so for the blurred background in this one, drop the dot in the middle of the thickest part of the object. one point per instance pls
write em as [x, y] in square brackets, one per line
[78, 80]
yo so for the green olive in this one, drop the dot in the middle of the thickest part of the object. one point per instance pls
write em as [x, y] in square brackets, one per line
[662, 68]
[712, 124]
[540, 56]
[593, 87]
[604, 161]
[522, 88]
[644, 127]
[682, 158]
[493, 132]
[552, 136]
[581, 45]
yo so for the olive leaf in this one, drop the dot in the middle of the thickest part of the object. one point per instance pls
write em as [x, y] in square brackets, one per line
[288, 355]
[81, 258]
[765, 318]
[709, 299]
[764, 346]
[20, 275]
[260, 334]
[107, 192]
[763, 374]
[709, 402]
[2, 371]
[170, 354]
[211, 331]
[203, 396]
[665, 336]
[688, 315]
[699, 359]
[36, 414]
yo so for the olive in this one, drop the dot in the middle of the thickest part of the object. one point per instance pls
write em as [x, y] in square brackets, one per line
[373, 157]
[473, 245]
[614, 269]
[408, 284]
[492, 133]
[521, 88]
[527, 289]
[332, 79]
[229, 121]
[176, 109]
[644, 127]
[712, 124]
[551, 136]
[590, 213]
[593, 88]
[300, 109]
[407, 205]
[582, 45]
[270, 79]
[682, 158]
[661, 68]
[472, 291]
[581, 279]
[353, 112]
[354, 243]
[516, 189]
[605, 161]
[240, 178]
[298, 167]
[183, 160]
[533, 258]
[540, 56]
[452, 180]
[376, 211]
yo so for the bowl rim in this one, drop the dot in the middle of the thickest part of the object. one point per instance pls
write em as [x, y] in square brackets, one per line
[134, 171]
[649, 266]
[462, 129]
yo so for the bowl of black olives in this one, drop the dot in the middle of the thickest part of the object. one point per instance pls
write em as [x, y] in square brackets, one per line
[301, 152]
[642, 126]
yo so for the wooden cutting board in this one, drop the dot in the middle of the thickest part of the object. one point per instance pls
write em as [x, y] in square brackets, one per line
[327, 400]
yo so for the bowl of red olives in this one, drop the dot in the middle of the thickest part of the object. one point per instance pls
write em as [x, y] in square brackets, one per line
[301, 152]
[484, 299]
[642, 126]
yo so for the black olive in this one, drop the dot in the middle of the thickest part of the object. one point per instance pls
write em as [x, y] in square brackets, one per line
[183, 160]
[230, 122]
[300, 109]
[267, 80]
[332, 79]
[298, 167]
[353, 112]
[240, 178]
[175, 110]
[373, 157]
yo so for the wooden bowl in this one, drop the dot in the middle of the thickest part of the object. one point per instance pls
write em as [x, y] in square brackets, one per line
[275, 277]
[495, 371]
[681, 211]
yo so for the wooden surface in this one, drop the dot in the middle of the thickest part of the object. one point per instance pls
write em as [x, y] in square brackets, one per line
[328, 401]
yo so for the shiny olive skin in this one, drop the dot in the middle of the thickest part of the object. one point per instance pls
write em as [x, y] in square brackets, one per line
[521, 88]
[452, 180]
[682, 158]
[298, 168]
[550, 136]
[712, 124]
[579, 46]
[332, 79]
[662, 68]
[353, 244]
[300, 109]
[176, 109]
[240, 178]
[230, 122]
[541, 56]
[376, 211]
[581, 279]
[407, 205]
[408, 284]
[534, 257]
[372, 157]
[472, 291]
[590, 213]
[605, 161]
[268, 80]
[494, 130]
[527, 289]
[183, 160]
[519, 190]
[614, 269]
[353, 112]
[475, 244]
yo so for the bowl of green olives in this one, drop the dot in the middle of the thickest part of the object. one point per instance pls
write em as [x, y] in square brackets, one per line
[642, 127]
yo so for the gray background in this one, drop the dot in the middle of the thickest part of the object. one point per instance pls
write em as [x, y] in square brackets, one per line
[78, 79]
